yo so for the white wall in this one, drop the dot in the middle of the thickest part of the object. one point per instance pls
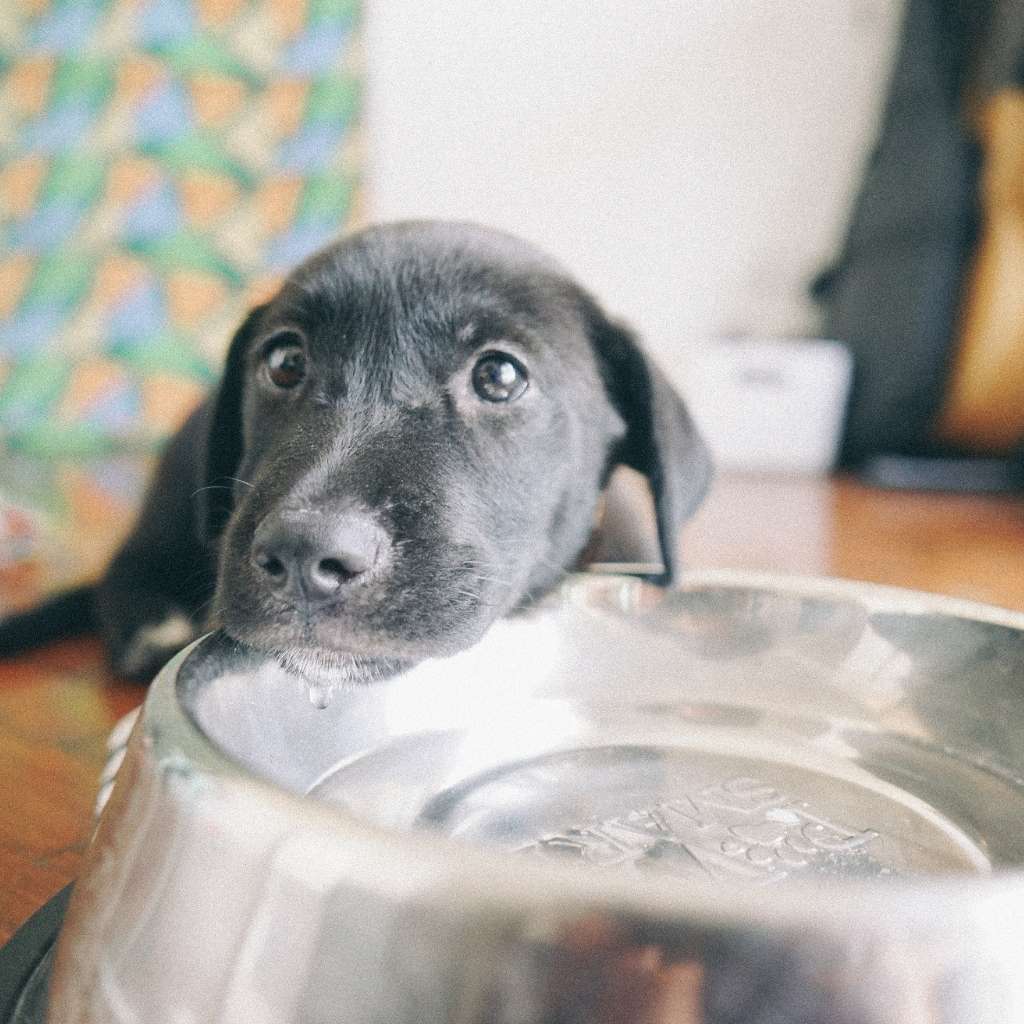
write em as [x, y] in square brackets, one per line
[693, 162]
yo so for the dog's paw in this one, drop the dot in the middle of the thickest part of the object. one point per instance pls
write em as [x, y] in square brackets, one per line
[146, 650]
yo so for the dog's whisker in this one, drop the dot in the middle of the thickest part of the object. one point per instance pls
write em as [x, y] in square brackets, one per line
[210, 487]
[223, 486]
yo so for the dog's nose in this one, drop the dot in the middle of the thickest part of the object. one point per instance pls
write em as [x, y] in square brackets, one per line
[313, 557]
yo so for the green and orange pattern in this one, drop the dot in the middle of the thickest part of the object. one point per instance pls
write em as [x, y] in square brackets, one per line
[162, 163]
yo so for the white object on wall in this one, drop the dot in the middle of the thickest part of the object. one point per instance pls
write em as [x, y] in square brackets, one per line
[693, 162]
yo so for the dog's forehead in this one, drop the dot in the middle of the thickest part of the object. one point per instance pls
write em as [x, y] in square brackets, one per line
[452, 288]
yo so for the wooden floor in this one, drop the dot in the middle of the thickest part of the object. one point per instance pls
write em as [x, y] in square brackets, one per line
[56, 707]
[965, 546]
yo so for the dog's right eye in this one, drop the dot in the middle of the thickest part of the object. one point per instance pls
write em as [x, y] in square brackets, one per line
[498, 377]
[285, 361]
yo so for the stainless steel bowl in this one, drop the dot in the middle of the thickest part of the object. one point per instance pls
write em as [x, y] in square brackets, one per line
[750, 800]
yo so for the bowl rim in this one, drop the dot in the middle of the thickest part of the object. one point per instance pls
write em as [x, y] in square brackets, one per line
[429, 863]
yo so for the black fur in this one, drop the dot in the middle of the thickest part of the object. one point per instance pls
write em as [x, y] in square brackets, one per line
[478, 508]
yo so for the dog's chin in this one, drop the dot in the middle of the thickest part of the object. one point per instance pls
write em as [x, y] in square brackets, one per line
[329, 669]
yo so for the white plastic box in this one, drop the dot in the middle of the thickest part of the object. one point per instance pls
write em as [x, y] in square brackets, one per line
[774, 405]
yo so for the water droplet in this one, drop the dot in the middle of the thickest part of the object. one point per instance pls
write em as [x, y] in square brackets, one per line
[319, 695]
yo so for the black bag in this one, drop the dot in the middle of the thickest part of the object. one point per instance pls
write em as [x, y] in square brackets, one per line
[894, 293]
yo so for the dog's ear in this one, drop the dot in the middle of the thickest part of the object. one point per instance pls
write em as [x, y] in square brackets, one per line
[661, 441]
[221, 450]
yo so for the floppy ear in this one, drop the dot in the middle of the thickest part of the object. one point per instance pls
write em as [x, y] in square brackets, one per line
[222, 445]
[661, 441]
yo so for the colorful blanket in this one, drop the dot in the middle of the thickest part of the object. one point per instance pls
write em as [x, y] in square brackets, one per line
[162, 162]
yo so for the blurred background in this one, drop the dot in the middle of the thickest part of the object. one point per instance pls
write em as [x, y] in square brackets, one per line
[812, 211]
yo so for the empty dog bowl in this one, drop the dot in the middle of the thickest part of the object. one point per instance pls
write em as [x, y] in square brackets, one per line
[750, 800]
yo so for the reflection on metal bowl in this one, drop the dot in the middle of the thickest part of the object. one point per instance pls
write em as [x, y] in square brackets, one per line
[749, 800]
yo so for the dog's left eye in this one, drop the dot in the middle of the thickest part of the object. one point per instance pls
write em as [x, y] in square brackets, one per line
[498, 377]
[285, 361]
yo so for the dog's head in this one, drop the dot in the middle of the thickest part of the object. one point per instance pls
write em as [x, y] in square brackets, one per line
[410, 440]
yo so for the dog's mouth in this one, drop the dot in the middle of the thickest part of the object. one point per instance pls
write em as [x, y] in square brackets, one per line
[338, 640]
[432, 600]
[324, 671]
[371, 632]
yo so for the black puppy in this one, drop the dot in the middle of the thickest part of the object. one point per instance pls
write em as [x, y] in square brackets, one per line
[409, 441]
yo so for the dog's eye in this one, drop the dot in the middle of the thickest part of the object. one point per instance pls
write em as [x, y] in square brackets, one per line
[497, 377]
[285, 361]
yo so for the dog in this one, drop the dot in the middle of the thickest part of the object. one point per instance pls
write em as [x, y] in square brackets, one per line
[408, 442]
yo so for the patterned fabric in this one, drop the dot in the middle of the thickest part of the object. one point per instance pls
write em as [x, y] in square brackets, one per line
[60, 519]
[162, 162]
